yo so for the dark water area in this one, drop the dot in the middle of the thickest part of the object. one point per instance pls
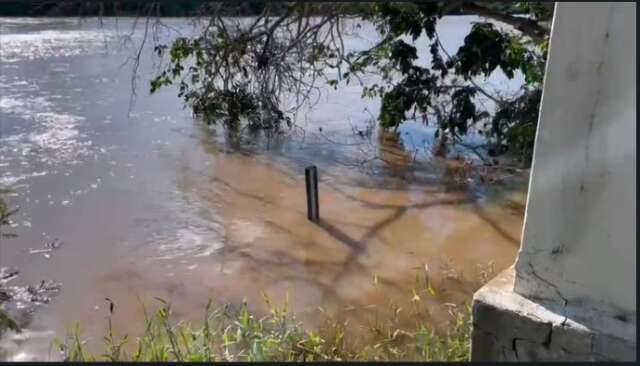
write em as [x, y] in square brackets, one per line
[150, 202]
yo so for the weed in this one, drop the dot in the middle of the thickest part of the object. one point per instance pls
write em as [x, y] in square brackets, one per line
[231, 333]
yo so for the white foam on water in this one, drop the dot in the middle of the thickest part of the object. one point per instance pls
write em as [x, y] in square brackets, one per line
[244, 231]
[187, 242]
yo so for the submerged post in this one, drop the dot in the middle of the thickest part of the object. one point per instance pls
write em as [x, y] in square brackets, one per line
[311, 177]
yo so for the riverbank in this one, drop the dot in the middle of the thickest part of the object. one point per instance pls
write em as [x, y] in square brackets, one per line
[237, 334]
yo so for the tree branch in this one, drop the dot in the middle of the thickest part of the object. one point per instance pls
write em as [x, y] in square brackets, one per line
[528, 27]
[478, 88]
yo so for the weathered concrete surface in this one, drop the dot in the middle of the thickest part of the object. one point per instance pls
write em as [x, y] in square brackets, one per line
[572, 294]
[510, 327]
[579, 234]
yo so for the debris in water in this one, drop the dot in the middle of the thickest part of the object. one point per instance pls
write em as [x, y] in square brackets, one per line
[7, 274]
[48, 248]
[20, 301]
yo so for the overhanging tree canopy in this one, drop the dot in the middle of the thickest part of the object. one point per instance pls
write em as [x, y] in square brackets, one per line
[240, 69]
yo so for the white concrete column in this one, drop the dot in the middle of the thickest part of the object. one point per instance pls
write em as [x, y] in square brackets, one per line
[572, 292]
[579, 239]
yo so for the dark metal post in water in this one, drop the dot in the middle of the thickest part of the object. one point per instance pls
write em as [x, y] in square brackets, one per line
[313, 206]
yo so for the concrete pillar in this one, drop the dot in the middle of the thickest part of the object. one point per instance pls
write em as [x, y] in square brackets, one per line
[572, 292]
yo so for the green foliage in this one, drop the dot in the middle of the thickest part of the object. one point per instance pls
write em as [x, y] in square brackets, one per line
[447, 90]
[229, 105]
[231, 75]
[6, 322]
[6, 212]
[534, 8]
[229, 98]
[485, 49]
[236, 334]
[515, 123]
[113, 7]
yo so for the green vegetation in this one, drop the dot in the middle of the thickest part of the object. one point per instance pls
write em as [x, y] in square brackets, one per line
[235, 73]
[169, 8]
[94, 8]
[238, 72]
[108, 8]
[445, 93]
[5, 213]
[236, 334]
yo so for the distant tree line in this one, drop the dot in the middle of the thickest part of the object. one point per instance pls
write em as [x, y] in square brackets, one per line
[110, 8]
[166, 8]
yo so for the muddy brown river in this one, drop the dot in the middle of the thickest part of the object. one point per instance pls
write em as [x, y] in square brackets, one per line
[149, 202]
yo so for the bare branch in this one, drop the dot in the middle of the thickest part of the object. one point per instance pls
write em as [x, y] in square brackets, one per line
[527, 26]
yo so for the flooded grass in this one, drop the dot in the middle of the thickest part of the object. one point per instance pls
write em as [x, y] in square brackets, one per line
[238, 333]
[232, 333]
[6, 322]
[17, 303]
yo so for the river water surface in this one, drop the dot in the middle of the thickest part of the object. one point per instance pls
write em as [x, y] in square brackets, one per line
[149, 202]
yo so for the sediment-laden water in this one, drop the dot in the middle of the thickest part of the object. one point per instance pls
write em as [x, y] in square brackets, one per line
[149, 202]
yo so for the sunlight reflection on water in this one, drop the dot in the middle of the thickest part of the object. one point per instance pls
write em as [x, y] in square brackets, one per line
[153, 203]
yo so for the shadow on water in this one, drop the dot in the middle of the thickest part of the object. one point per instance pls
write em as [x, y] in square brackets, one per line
[162, 205]
[384, 222]
[481, 212]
